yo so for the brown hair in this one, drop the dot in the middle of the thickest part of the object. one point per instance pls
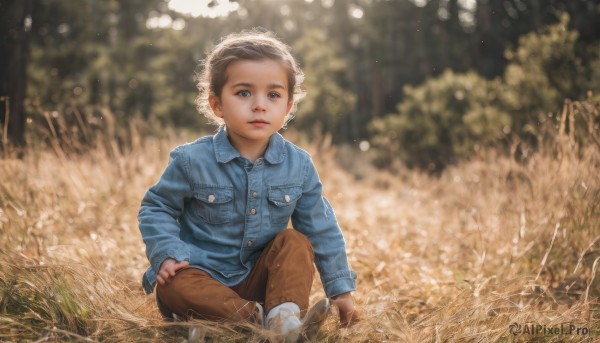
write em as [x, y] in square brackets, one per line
[247, 45]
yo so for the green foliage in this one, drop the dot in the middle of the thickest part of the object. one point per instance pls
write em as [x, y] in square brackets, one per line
[38, 296]
[116, 63]
[450, 117]
[360, 58]
[544, 70]
[326, 104]
[443, 120]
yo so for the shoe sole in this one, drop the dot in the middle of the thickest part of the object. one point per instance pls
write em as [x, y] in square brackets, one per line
[314, 319]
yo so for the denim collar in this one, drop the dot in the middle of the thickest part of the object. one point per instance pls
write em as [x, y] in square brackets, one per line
[225, 152]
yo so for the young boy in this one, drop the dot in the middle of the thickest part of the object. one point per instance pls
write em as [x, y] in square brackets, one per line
[215, 224]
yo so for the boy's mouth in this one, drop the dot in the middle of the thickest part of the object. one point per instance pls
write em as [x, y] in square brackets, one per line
[259, 122]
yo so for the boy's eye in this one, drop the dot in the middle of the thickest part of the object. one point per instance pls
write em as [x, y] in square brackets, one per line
[274, 95]
[243, 93]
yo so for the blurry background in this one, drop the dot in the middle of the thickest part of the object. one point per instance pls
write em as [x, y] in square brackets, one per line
[425, 81]
[458, 141]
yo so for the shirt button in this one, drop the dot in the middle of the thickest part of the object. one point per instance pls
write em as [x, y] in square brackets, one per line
[250, 244]
[211, 198]
[287, 198]
[253, 211]
[254, 194]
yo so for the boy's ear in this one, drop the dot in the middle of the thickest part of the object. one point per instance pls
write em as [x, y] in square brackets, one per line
[215, 104]
[289, 106]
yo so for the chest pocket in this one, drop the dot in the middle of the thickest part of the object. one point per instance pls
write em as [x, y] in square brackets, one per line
[214, 204]
[282, 202]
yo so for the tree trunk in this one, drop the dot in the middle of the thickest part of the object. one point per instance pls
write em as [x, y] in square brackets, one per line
[15, 25]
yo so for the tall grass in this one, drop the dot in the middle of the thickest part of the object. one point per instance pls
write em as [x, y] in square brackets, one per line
[458, 257]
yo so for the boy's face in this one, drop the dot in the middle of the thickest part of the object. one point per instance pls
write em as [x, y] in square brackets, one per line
[254, 101]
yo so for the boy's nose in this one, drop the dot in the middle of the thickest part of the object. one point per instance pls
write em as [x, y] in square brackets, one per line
[258, 105]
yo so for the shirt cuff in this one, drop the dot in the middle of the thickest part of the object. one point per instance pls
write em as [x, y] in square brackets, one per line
[179, 256]
[341, 283]
[148, 281]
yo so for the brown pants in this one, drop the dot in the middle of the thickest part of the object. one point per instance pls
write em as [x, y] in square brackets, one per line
[284, 272]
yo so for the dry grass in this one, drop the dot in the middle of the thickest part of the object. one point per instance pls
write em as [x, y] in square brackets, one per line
[453, 258]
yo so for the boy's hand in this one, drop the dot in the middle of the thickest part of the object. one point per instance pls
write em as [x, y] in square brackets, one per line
[168, 269]
[345, 305]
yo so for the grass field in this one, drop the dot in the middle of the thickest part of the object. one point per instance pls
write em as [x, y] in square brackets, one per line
[457, 257]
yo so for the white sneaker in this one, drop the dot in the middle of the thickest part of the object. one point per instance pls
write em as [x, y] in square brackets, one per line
[284, 320]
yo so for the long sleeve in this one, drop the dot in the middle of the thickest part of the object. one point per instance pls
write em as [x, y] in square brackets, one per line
[161, 207]
[315, 218]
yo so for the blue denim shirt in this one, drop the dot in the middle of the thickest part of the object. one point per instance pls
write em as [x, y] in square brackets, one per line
[217, 210]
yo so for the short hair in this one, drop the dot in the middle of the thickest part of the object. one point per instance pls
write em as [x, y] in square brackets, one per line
[251, 45]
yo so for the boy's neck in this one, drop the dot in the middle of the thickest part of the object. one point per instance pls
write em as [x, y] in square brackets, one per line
[251, 150]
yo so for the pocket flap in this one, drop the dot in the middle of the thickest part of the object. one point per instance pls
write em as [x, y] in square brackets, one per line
[213, 194]
[284, 195]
